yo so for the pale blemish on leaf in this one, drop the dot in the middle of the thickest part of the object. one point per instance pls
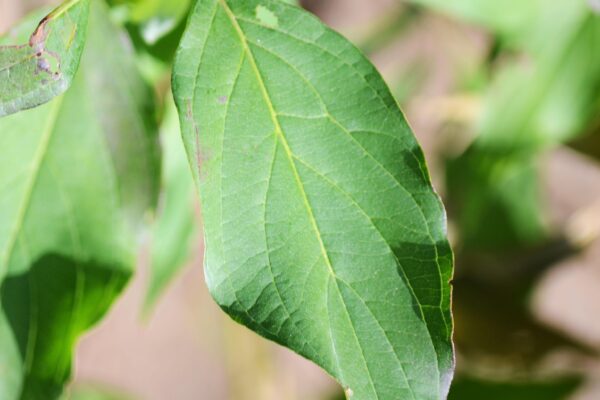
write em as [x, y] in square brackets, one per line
[267, 17]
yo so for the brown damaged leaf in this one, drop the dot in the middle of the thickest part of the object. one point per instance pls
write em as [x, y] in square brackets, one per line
[34, 73]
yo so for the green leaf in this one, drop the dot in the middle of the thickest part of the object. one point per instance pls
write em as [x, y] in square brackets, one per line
[550, 99]
[175, 227]
[501, 189]
[529, 107]
[509, 17]
[156, 18]
[35, 73]
[323, 232]
[10, 377]
[77, 176]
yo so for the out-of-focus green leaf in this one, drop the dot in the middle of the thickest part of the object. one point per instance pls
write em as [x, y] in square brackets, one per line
[323, 232]
[542, 99]
[158, 17]
[36, 72]
[551, 97]
[76, 177]
[509, 17]
[466, 388]
[175, 227]
[154, 18]
[496, 198]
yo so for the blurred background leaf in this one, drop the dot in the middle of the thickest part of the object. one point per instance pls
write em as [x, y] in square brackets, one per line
[154, 18]
[176, 225]
[537, 98]
[81, 175]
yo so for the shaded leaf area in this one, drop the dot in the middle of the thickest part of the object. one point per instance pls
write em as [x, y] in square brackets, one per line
[501, 189]
[163, 49]
[34, 73]
[467, 388]
[77, 176]
[176, 224]
[322, 229]
[48, 307]
[545, 96]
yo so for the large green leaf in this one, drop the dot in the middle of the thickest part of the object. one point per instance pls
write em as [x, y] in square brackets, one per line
[35, 73]
[76, 177]
[323, 232]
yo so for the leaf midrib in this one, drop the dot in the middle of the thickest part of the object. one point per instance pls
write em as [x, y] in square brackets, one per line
[282, 139]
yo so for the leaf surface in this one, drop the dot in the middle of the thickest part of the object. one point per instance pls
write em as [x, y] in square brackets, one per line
[322, 230]
[34, 73]
[76, 177]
